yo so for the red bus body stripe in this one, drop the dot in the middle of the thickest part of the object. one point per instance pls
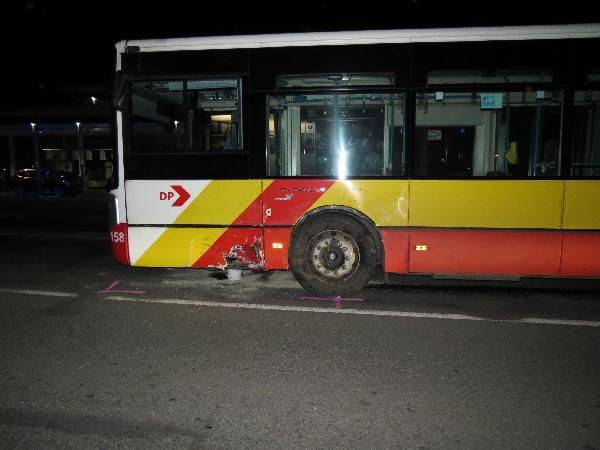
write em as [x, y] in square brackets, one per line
[485, 252]
[249, 241]
[580, 254]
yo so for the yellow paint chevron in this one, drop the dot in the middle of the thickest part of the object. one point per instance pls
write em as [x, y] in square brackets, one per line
[221, 202]
[179, 247]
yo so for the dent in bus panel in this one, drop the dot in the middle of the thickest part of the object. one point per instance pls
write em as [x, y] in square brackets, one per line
[464, 134]
[336, 135]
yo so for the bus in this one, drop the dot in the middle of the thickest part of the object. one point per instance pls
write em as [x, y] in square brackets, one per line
[458, 152]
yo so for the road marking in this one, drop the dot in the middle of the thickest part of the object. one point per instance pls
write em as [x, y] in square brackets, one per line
[577, 323]
[360, 312]
[111, 288]
[34, 292]
[337, 299]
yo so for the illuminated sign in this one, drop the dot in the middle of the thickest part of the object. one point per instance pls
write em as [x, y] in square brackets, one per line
[491, 100]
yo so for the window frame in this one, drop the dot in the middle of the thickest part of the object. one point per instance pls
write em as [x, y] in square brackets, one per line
[565, 107]
[568, 147]
[268, 94]
[128, 114]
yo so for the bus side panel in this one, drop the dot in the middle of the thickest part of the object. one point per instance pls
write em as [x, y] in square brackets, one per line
[210, 219]
[242, 245]
[395, 249]
[581, 229]
[497, 203]
[286, 200]
[385, 202]
[170, 246]
[194, 202]
[582, 205]
[485, 252]
[276, 247]
[580, 255]
[486, 226]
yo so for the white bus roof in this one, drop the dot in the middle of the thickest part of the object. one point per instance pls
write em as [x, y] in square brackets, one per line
[473, 34]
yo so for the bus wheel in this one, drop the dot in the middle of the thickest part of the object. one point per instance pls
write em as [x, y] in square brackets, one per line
[332, 255]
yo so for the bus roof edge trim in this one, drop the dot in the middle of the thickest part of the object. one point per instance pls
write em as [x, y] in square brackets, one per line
[531, 32]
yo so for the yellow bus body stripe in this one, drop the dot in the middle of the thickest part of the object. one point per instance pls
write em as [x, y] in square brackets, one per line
[179, 247]
[221, 202]
[486, 203]
[384, 201]
[582, 205]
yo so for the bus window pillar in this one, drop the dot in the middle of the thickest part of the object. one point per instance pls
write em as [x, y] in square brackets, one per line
[388, 137]
[535, 157]
[291, 162]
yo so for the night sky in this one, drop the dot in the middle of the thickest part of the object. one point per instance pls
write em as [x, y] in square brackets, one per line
[47, 44]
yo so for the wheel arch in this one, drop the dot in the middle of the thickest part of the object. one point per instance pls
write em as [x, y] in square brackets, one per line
[365, 220]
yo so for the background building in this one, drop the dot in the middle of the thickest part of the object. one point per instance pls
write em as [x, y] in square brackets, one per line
[68, 130]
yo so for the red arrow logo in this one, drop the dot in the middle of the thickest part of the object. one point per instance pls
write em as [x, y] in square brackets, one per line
[183, 195]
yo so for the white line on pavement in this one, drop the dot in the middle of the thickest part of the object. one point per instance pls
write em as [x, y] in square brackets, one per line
[363, 312]
[34, 292]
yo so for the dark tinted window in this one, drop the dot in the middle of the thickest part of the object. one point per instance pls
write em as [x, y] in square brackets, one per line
[185, 116]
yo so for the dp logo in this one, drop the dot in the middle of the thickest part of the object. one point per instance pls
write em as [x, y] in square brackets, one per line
[182, 195]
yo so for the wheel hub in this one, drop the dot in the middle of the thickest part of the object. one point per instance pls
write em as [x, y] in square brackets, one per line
[334, 254]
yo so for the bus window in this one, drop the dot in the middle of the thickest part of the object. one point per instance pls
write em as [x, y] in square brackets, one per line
[336, 135]
[158, 117]
[464, 134]
[585, 136]
[185, 116]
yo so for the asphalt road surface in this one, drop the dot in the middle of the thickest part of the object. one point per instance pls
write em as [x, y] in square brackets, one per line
[98, 355]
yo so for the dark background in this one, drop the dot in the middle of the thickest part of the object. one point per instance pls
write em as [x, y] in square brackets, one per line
[49, 49]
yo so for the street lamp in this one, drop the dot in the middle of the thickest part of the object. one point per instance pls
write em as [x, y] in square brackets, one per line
[36, 159]
[81, 151]
[93, 99]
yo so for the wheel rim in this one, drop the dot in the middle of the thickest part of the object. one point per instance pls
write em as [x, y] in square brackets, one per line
[332, 255]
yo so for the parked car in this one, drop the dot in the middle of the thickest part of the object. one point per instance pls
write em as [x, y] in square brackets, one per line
[52, 182]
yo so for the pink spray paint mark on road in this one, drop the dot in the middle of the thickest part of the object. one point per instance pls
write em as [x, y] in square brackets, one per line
[337, 299]
[111, 288]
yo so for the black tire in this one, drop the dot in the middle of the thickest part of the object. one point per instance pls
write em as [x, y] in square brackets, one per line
[320, 263]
